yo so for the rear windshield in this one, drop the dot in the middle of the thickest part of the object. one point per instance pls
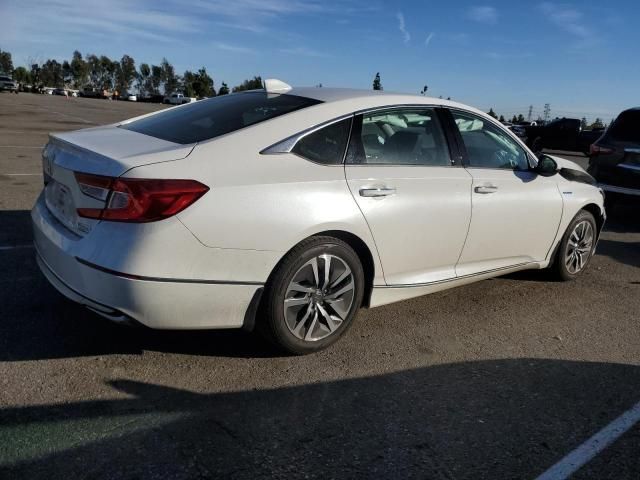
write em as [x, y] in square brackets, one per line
[626, 128]
[211, 118]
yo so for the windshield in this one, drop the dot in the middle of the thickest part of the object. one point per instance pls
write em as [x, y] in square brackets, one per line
[211, 118]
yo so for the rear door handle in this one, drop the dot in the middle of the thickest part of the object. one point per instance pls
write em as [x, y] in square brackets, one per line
[377, 192]
[486, 189]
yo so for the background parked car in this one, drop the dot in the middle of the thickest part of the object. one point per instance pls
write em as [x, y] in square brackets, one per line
[561, 134]
[7, 83]
[60, 91]
[153, 98]
[178, 99]
[91, 92]
[614, 159]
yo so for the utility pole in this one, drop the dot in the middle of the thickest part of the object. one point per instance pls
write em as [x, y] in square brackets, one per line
[530, 113]
[547, 112]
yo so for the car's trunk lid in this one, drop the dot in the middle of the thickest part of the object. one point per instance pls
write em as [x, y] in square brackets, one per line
[106, 151]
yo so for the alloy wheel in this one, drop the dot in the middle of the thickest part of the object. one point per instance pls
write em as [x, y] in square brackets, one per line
[579, 247]
[319, 298]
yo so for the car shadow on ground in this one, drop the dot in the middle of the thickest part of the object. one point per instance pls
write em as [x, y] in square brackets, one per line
[490, 419]
[623, 218]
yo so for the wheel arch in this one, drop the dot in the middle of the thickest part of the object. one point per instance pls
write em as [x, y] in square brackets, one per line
[599, 216]
[597, 213]
[362, 250]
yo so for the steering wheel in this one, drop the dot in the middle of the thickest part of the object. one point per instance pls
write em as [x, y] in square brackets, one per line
[506, 159]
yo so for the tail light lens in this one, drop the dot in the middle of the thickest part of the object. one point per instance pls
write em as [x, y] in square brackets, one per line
[138, 200]
[596, 149]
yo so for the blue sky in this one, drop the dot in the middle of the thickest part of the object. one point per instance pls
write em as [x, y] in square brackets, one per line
[581, 56]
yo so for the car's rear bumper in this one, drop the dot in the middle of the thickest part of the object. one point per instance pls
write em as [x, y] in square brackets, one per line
[157, 303]
[619, 190]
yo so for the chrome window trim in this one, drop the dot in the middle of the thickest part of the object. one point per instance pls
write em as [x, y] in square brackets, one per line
[287, 145]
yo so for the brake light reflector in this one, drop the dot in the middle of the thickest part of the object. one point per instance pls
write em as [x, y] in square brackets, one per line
[138, 200]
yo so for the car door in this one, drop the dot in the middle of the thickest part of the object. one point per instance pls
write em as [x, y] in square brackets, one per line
[515, 212]
[416, 201]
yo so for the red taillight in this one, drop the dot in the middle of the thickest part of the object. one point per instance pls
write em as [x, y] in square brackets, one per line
[596, 149]
[138, 200]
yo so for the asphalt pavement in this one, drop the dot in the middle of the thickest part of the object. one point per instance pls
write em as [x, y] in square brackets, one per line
[502, 379]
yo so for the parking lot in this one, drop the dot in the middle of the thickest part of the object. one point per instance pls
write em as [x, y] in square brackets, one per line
[500, 379]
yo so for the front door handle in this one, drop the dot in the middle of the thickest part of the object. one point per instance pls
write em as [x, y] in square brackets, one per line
[486, 189]
[374, 192]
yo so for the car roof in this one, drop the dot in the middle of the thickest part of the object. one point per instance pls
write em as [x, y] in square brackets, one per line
[370, 98]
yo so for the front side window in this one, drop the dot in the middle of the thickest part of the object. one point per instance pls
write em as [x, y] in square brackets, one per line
[399, 137]
[488, 146]
[211, 118]
[326, 145]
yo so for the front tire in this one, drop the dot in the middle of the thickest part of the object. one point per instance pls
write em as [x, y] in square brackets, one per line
[577, 247]
[313, 296]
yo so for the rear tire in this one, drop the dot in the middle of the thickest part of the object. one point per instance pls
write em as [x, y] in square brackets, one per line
[305, 308]
[577, 247]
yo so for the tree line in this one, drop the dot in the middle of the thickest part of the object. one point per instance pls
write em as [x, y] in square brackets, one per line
[103, 73]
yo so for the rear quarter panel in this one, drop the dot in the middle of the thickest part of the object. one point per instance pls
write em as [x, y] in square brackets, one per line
[263, 202]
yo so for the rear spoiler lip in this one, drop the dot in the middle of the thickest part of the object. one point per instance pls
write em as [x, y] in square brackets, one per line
[96, 163]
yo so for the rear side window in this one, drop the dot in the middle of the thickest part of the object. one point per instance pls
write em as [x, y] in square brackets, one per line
[211, 118]
[326, 145]
[626, 128]
[400, 137]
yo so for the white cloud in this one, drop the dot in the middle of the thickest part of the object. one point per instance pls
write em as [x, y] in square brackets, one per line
[232, 48]
[406, 36]
[571, 21]
[483, 14]
[428, 39]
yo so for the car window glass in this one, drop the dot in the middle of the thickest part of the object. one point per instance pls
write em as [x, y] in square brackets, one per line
[326, 145]
[488, 146]
[626, 128]
[213, 117]
[401, 137]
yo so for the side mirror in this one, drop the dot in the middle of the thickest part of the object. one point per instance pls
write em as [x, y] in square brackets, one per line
[547, 166]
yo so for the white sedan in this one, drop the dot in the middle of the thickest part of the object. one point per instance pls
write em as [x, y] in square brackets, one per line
[289, 209]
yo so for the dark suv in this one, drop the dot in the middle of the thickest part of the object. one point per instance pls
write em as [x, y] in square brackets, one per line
[615, 158]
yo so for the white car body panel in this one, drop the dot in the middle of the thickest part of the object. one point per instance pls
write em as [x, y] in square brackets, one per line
[203, 267]
[119, 150]
[386, 295]
[420, 230]
[514, 225]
